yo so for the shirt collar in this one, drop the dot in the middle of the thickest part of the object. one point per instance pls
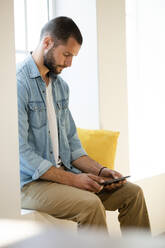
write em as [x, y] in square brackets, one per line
[33, 69]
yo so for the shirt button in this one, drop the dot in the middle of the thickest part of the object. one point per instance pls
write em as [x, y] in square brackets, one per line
[71, 167]
[49, 131]
[43, 91]
[51, 152]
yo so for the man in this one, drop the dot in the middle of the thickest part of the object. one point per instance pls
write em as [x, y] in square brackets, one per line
[57, 176]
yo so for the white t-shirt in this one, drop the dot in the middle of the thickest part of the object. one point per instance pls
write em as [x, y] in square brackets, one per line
[52, 122]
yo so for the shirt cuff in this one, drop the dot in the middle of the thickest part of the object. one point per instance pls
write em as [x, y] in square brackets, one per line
[78, 153]
[43, 167]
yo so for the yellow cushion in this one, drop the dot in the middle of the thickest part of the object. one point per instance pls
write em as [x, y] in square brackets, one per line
[100, 145]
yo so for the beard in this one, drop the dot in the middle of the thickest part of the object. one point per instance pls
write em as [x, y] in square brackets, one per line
[50, 62]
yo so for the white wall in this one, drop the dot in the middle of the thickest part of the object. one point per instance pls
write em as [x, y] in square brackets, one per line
[9, 166]
[82, 77]
[112, 74]
[113, 103]
[154, 191]
[146, 77]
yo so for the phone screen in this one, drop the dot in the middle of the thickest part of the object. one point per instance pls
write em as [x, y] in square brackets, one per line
[116, 180]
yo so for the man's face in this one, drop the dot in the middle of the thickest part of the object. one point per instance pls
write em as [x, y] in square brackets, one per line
[60, 57]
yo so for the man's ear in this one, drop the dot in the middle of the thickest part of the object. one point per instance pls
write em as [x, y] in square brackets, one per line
[48, 42]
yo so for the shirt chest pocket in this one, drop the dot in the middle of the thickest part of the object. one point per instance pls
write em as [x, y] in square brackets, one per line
[37, 114]
[62, 107]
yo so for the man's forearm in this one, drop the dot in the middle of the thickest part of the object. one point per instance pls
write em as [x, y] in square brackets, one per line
[87, 165]
[82, 181]
[60, 176]
[84, 163]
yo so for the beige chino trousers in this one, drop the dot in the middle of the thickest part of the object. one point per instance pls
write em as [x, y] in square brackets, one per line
[87, 208]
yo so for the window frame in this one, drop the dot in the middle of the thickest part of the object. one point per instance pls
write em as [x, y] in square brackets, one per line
[50, 14]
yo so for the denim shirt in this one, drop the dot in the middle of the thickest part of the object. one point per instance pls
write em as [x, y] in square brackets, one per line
[35, 147]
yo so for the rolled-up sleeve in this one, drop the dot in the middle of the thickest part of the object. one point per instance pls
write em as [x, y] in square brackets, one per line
[42, 168]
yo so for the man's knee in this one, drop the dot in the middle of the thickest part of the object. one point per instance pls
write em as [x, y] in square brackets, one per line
[133, 190]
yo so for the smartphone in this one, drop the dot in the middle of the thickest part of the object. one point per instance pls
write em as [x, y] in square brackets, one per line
[116, 180]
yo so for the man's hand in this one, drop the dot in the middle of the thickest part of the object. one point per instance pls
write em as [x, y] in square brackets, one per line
[88, 182]
[107, 174]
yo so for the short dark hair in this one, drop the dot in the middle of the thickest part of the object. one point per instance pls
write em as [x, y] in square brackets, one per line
[60, 29]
